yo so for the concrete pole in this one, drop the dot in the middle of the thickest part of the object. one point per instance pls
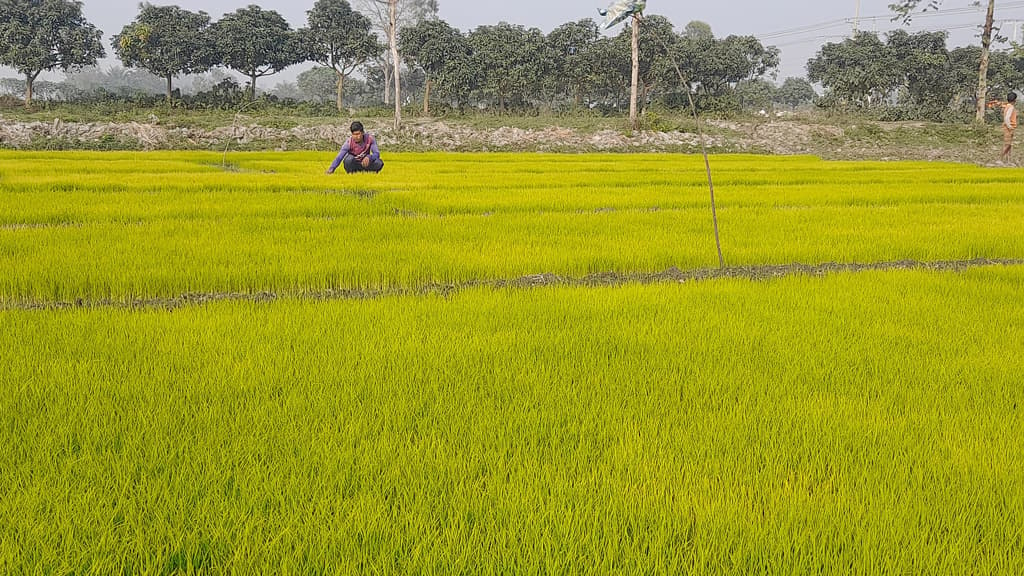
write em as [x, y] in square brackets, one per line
[633, 119]
[393, 21]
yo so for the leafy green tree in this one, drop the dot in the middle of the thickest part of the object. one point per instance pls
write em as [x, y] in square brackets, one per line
[573, 65]
[1004, 73]
[167, 41]
[256, 43]
[755, 94]
[460, 77]
[716, 66]
[42, 88]
[656, 39]
[512, 60]
[859, 70]
[287, 91]
[726, 62]
[693, 52]
[318, 84]
[925, 67]
[339, 38]
[904, 10]
[609, 81]
[697, 30]
[432, 45]
[39, 35]
[96, 82]
[795, 92]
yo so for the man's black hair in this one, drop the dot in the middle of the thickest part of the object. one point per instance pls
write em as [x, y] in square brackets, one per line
[1012, 97]
[356, 126]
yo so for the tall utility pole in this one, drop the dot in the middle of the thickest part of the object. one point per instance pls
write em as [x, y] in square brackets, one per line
[856, 19]
[981, 98]
[393, 15]
[633, 120]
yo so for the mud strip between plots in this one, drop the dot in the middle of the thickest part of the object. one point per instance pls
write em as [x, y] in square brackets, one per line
[672, 275]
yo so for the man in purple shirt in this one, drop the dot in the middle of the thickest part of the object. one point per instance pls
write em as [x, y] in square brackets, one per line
[359, 154]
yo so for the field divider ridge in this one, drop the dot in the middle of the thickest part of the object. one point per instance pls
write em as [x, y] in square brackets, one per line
[600, 279]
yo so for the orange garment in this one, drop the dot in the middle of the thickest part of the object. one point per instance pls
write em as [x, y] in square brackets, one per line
[1009, 113]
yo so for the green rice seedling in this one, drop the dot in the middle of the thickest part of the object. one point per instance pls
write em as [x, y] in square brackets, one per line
[126, 226]
[863, 423]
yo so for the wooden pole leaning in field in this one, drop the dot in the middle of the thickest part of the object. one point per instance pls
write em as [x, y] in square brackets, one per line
[703, 149]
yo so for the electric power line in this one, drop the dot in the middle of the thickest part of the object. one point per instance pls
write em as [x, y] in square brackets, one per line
[822, 26]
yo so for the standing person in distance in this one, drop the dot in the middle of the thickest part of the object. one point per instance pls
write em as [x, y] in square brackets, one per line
[1009, 122]
[359, 153]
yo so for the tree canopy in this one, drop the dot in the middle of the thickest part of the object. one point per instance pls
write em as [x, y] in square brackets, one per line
[574, 67]
[859, 70]
[433, 45]
[512, 60]
[257, 43]
[339, 38]
[41, 35]
[795, 92]
[167, 41]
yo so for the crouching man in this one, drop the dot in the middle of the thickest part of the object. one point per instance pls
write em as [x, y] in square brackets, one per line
[359, 153]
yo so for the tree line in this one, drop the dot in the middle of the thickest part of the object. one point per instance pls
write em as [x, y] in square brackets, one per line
[507, 67]
[909, 75]
[504, 66]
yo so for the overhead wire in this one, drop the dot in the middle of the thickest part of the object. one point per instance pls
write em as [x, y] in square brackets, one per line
[823, 26]
[840, 37]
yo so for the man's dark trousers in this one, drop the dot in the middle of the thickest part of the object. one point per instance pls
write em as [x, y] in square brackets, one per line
[354, 165]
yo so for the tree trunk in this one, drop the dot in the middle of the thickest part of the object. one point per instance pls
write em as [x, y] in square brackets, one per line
[169, 91]
[986, 42]
[340, 85]
[29, 79]
[397, 64]
[426, 99]
[252, 88]
[387, 83]
[633, 119]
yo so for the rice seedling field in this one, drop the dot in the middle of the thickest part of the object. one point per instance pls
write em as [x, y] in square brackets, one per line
[499, 363]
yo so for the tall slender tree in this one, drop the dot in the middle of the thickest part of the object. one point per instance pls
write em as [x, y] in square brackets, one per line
[40, 35]
[388, 17]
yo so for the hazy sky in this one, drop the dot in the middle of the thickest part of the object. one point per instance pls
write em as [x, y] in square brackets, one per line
[775, 23]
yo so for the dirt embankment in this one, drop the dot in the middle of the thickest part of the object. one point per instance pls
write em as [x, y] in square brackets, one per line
[422, 135]
[877, 141]
[672, 275]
